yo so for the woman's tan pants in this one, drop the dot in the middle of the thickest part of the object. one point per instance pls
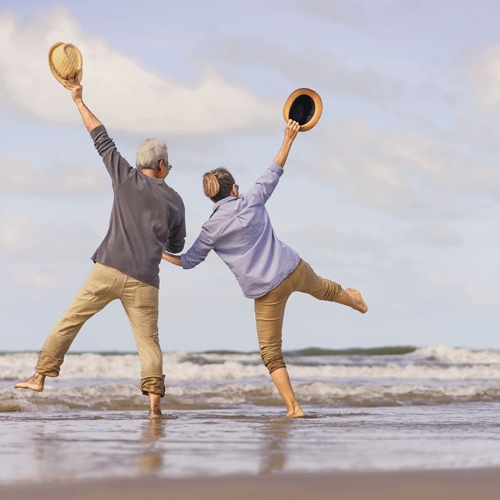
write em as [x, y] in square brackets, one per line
[270, 309]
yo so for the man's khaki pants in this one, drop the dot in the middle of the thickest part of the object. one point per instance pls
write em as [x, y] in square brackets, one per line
[140, 302]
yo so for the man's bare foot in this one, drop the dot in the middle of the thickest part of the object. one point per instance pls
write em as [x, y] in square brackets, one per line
[356, 295]
[154, 413]
[154, 405]
[35, 383]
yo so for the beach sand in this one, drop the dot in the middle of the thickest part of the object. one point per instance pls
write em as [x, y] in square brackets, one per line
[476, 484]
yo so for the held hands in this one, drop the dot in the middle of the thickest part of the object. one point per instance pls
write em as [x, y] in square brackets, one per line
[173, 259]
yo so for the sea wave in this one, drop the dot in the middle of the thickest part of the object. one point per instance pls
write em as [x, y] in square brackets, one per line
[435, 363]
[457, 355]
[353, 377]
[123, 396]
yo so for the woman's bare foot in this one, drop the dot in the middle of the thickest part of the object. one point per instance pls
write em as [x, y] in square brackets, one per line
[360, 303]
[296, 413]
[35, 383]
[282, 381]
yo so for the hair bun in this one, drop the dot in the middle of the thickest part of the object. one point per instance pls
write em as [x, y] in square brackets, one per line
[211, 184]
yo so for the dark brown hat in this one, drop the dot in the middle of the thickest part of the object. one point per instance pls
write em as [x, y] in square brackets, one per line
[305, 107]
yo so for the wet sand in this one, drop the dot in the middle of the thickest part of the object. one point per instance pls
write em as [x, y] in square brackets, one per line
[483, 484]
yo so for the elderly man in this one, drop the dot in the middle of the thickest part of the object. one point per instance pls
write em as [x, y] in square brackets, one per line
[147, 218]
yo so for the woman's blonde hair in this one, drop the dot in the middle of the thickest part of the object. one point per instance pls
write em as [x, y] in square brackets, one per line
[218, 184]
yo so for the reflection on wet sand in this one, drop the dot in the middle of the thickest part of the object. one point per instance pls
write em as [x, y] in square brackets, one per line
[275, 433]
[151, 460]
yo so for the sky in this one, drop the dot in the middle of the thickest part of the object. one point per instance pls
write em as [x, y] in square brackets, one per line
[395, 191]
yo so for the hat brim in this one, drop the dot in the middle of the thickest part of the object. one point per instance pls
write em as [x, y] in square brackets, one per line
[305, 107]
[68, 68]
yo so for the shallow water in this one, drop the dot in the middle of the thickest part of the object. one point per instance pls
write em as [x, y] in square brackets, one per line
[71, 444]
[378, 409]
[322, 378]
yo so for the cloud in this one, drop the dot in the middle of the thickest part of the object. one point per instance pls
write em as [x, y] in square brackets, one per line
[455, 288]
[14, 231]
[441, 235]
[27, 236]
[131, 98]
[340, 11]
[326, 71]
[485, 72]
[329, 238]
[401, 172]
[19, 176]
[33, 277]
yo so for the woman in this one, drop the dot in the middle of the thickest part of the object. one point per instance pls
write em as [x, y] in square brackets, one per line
[268, 271]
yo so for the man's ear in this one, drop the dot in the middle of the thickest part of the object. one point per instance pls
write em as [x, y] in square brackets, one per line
[162, 168]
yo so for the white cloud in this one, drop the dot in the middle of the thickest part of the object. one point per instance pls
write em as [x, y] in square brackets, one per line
[130, 97]
[456, 288]
[327, 71]
[19, 176]
[32, 277]
[440, 235]
[408, 174]
[14, 230]
[340, 11]
[329, 238]
[485, 69]
[24, 236]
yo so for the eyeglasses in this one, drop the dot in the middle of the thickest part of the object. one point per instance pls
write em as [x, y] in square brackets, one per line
[237, 187]
[168, 165]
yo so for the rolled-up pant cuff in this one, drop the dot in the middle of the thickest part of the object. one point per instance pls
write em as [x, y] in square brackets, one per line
[274, 365]
[48, 365]
[153, 385]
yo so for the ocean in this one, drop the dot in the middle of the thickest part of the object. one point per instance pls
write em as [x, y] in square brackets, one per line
[386, 408]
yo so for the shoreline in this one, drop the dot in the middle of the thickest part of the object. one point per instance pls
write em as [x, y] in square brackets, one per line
[456, 484]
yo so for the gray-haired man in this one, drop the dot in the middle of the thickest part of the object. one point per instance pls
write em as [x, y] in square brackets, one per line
[147, 218]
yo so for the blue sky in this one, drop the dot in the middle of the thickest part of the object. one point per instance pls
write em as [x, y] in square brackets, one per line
[396, 191]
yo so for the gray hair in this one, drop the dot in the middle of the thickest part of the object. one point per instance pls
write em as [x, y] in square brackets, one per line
[149, 154]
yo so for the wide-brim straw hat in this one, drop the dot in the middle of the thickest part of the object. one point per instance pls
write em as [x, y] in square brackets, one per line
[65, 61]
[303, 106]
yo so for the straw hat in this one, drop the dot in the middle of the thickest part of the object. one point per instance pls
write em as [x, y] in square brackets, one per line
[305, 107]
[65, 60]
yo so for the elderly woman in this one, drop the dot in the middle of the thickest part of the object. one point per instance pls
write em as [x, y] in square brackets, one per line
[268, 271]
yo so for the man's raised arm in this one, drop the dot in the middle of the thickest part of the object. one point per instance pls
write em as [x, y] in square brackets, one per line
[89, 119]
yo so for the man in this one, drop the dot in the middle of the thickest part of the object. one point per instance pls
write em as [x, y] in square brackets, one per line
[147, 218]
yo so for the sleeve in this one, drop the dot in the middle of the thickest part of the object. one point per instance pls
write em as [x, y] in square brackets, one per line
[266, 184]
[117, 167]
[177, 235]
[198, 251]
